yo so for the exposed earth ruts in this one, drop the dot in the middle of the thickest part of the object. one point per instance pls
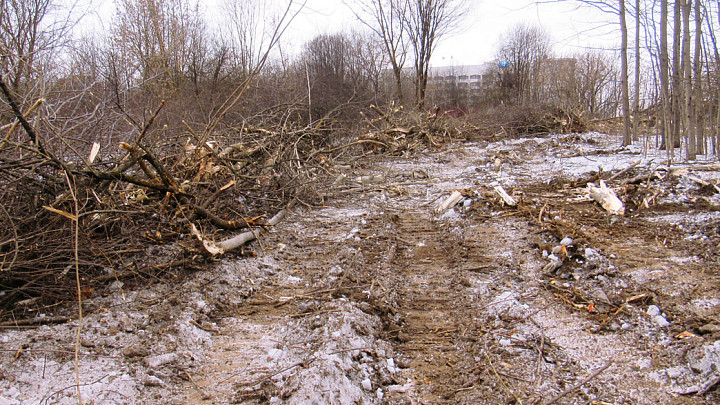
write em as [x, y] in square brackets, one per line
[376, 297]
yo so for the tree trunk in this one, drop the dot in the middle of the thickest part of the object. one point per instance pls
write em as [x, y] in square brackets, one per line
[664, 76]
[636, 106]
[627, 135]
[688, 121]
[698, 110]
[677, 83]
[397, 71]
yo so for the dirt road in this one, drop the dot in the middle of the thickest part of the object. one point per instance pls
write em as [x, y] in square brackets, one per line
[378, 297]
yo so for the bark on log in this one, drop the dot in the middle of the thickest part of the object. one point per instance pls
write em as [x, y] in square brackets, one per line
[236, 241]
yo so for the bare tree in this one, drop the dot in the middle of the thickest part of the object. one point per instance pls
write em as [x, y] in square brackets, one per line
[29, 32]
[426, 22]
[524, 47]
[688, 125]
[337, 77]
[636, 98]
[386, 19]
[248, 31]
[159, 38]
[676, 78]
[664, 75]
[698, 111]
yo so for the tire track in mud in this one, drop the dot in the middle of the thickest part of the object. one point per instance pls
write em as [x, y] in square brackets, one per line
[429, 317]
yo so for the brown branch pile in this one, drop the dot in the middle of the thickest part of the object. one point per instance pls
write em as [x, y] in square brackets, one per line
[534, 120]
[396, 132]
[137, 200]
[153, 181]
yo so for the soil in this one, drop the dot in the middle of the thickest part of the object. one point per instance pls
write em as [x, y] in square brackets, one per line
[380, 297]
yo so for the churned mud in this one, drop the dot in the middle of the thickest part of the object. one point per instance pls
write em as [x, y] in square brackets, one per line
[379, 297]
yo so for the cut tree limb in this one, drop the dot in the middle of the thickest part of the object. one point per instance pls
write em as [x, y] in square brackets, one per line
[704, 183]
[234, 242]
[625, 170]
[505, 196]
[607, 198]
[449, 202]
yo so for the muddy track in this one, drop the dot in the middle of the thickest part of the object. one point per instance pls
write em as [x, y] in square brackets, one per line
[429, 306]
[375, 298]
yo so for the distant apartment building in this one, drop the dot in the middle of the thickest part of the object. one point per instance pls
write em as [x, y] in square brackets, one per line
[459, 86]
[467, 85]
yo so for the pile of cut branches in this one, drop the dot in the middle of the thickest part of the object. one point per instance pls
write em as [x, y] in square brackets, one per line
[70, 212]
[160, 194]
[534, 120]
[396, 131]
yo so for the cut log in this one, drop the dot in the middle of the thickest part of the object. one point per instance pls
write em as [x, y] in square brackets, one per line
[507, 199]
[449, 202]
[245, 237]
[607, 198]
[235, 242]
[704, 183]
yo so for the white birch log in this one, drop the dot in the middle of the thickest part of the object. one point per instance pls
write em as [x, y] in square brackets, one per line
[607, 198]
[234, 242]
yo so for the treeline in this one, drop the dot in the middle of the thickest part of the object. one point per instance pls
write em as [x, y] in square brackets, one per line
[236, 71]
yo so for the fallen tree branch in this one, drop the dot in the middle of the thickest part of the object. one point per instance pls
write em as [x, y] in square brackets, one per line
[34, 321]
[625, 170]
[449, 202]
[236, 241]
[607, 198]
[507, 199]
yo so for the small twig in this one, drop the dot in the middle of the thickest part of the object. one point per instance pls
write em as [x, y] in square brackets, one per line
[34, 321]
[540, 359]
[47, 398]
[540, 216]
[59, 351]
[149, 123]
[15, 241]
[76, 246]
[204, 395]
[194, 322]
[501, 380]
[578, 385]
[268, 376]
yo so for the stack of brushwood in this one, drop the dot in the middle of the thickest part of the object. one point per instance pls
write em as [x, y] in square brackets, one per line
[396, 131]
[76, 216]
[85, 204]
[534, 120]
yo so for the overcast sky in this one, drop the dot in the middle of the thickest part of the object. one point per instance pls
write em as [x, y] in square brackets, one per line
[572, 30]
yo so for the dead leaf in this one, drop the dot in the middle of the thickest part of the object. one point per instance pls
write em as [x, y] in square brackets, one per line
[685, 335]
[86, 292]
[93, 152]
